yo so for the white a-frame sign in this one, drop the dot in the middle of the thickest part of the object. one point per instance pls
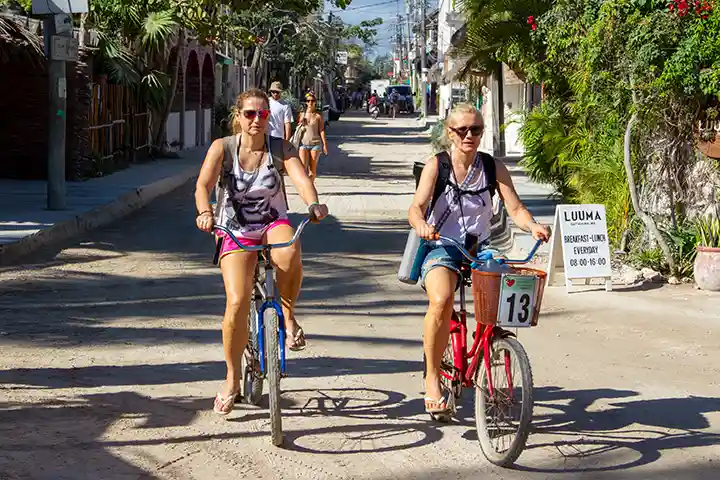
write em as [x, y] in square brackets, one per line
[580, 245]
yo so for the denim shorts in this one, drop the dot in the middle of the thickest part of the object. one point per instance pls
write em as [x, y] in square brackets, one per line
[441, 256]
[315, 148]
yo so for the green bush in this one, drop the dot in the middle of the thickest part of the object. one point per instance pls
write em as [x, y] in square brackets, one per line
[437, 137]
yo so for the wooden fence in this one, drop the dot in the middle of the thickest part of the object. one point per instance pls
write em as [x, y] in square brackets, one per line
[119, 124]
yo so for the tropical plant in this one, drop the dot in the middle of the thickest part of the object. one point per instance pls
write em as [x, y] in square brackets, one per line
[708, 231]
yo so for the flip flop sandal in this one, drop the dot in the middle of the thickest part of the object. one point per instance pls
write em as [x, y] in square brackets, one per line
[441, 409]
[297, 341]
[223, 406]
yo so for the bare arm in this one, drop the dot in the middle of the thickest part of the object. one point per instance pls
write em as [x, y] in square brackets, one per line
[288, 130]
[321, 122]
[514, 206]
[209, 175]
[421, 200]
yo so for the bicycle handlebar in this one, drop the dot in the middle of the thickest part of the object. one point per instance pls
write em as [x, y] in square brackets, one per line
[257, 248]
[467, 254]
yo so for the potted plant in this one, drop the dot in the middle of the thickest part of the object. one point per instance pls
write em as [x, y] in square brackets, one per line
[707, 261]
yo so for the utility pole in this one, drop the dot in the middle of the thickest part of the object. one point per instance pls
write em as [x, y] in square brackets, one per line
[408, 40]
[423, 64]
[60, 47]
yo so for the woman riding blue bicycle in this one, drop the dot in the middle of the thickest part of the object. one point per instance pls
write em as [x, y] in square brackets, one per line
[463, 212]
[248, 167]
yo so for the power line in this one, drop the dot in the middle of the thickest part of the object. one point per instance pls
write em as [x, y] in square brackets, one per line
[387, 2]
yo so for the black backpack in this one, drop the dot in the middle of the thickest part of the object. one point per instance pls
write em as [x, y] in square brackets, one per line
[444, 171]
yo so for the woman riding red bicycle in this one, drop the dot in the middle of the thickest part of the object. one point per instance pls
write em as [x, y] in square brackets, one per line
[462, 212]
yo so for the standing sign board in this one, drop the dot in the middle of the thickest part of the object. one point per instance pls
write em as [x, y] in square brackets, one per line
[580, 245]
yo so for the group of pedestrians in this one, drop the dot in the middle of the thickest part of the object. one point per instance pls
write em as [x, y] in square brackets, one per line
[311, 139]
[250, 165]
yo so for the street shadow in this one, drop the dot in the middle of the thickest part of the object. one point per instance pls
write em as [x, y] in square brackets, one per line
[628, 434]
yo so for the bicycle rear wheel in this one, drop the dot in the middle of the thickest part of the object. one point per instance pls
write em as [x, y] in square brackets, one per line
[503, 419]
[252, 381]
[272, 332]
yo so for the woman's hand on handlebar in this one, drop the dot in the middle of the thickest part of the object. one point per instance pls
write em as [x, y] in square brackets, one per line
[426, 231]
[317, 212]
[539, 232]
[205, 221]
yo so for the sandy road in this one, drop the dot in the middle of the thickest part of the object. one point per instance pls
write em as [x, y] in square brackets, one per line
[110, 356]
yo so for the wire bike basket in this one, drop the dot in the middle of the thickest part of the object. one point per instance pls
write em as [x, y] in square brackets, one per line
[488, 293]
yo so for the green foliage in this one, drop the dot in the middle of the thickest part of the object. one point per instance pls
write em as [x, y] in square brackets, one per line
[708, 231]
[438, 139]
[683, 241]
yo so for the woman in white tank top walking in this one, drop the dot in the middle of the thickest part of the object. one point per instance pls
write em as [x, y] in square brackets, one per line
[464, 215]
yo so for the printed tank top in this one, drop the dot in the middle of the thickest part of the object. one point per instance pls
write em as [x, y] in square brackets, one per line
[460, 214]
[253, 200]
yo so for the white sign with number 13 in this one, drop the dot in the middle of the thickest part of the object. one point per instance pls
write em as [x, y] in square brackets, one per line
[517, 300]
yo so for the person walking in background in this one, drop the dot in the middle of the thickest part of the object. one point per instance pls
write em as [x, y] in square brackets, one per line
[313, 140]
[280, 125]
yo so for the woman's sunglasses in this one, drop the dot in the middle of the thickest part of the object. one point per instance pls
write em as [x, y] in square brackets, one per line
[474, 130]
[252, 114]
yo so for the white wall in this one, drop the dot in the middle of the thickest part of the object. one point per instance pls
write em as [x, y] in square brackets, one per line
[514, 101]
[172, 131]
[190, 122]
[207, 135]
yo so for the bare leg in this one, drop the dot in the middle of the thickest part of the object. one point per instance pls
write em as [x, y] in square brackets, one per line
[237, 269]
[440, 284]
[288, 263]
[304, 158]
[314, 158]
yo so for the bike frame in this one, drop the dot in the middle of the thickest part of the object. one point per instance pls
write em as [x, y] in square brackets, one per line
[267, 291]
[464, 373]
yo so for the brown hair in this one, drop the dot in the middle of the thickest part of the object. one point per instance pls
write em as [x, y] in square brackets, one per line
[249, 93]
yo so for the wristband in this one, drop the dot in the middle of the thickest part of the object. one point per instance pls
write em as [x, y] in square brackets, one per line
[312, 205]
[204, 212]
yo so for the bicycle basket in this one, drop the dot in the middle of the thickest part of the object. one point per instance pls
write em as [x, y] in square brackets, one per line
[486, 293]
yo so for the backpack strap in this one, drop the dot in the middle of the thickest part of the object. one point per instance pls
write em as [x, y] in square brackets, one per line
[443, 177]
[488, 162]
[230, 145]
[277, 153]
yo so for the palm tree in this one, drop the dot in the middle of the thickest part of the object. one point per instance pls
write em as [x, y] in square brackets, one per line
[497, 32]
[15, 39]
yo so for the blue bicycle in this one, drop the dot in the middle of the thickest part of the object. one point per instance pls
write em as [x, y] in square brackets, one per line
[264, 357]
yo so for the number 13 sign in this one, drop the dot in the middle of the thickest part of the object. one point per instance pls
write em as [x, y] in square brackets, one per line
[517, 300]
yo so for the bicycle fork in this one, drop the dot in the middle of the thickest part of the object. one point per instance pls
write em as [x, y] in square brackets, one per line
[270, 302]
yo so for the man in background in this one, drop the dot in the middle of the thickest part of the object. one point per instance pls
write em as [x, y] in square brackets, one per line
[280, 123]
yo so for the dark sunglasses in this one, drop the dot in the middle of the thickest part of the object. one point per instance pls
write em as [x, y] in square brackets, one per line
[274, 92]
[251, 114]
[474, 130]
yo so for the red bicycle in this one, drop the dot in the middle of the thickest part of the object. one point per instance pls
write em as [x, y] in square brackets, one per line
[509, 297]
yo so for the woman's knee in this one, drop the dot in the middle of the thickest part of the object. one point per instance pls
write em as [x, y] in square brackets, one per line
[288, 258]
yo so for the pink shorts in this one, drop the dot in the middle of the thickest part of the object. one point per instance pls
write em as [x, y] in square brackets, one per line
[229, 245]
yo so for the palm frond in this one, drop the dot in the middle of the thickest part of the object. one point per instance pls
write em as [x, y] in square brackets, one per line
[158, 29]
[15, 38]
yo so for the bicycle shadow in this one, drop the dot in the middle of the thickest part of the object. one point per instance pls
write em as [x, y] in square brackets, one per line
[396, 421]
[601, 436]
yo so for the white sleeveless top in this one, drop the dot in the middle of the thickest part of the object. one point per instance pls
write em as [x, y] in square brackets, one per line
[252, 200]
[459, 214]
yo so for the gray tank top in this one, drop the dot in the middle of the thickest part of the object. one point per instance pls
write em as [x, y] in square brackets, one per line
[249, 201]
[461, 214]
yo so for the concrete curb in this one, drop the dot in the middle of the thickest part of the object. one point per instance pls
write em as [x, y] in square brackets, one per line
[122, 206]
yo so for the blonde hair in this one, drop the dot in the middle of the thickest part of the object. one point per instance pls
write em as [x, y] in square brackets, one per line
[459, 109]
[249, 93]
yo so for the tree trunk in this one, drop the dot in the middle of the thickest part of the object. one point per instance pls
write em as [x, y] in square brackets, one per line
[159, 137]
[647, 219]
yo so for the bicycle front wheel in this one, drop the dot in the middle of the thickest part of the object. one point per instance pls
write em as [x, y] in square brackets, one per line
[252, 380]
[272, 332]
[503, 419]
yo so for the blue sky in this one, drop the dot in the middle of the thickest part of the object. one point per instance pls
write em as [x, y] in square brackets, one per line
[360, 10]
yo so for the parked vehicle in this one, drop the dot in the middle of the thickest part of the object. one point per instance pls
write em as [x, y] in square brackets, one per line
[406, 98]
